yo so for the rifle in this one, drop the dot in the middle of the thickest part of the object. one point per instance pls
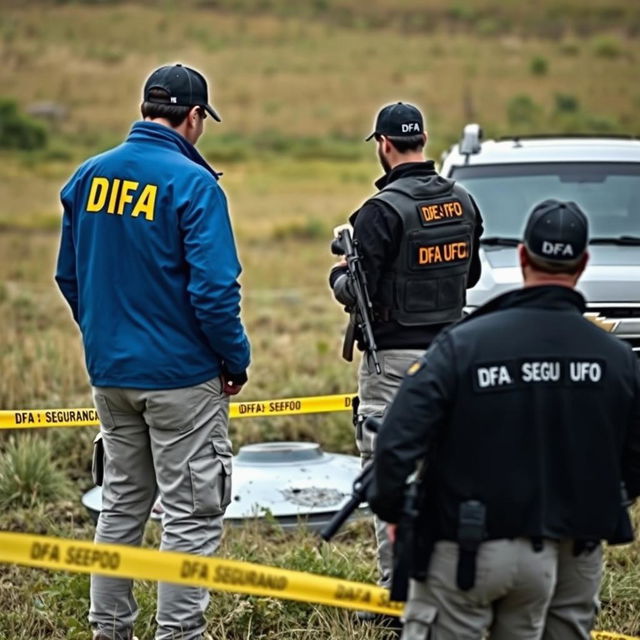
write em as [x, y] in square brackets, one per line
[360, 319]
[404, 547]
[358, 492]
[358, 496]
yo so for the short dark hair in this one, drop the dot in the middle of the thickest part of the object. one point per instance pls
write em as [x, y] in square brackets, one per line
[556, 267]
[174, 113]
[403, 144]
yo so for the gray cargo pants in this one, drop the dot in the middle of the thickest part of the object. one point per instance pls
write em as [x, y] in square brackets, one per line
[515, 589]
[376, 393]
[172, 442]
[574, 604]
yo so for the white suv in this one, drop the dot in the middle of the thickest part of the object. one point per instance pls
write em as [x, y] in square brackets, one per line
[507, 177]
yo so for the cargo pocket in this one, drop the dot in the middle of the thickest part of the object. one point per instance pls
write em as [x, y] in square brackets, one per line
[211, 480]
[396, 368]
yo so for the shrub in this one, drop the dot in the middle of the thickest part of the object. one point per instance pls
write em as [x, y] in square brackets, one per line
[18, 131]
[566, 103]
[522, 110]
[28, 475]
[307, 229]
[539, 66]
[462, 11]
[602, 124]
[606, 47]
[569, 47]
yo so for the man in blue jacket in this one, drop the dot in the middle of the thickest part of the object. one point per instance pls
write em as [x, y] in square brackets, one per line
[148, 265]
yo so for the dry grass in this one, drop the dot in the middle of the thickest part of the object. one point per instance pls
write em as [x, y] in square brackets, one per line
[282, 71]
[290, 78]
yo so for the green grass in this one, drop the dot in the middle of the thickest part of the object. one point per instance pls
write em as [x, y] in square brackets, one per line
[298, 85]
[28, 475]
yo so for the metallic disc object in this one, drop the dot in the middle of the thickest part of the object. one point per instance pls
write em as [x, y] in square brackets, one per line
[289, 482]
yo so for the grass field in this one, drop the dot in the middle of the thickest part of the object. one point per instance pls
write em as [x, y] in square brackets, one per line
[297, 85]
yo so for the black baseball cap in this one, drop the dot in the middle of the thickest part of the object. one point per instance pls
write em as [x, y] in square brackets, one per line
[557, 232]
[398, 120]
[184, 85]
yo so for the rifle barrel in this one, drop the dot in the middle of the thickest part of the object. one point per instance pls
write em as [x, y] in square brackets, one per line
[340, 518]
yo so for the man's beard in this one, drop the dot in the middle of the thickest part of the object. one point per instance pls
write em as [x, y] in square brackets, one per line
[383, 161]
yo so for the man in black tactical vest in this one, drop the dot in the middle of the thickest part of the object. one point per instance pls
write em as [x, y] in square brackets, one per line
[528, 416]
[418, 241]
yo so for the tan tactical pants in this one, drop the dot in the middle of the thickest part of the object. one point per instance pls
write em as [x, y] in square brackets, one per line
[376, 392]
[172, 442]
[513, 588]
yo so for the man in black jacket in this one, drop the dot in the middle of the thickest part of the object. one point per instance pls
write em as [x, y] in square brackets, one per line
[418, 239]
[528, 416]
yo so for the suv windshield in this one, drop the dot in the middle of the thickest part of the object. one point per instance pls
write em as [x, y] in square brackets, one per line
[609, 193]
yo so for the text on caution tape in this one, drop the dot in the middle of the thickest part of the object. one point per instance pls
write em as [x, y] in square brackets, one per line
[181, 568]
[35, 418]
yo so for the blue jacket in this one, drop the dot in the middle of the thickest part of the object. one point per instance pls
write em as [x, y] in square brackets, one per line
[148, 264]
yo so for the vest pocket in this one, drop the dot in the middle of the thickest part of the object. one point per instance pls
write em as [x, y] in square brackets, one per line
[439, 294]
[211, 480]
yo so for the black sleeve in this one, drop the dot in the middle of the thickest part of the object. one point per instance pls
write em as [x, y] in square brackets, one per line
[420, 409]
[631, 458]
[475, 267]
[335, 273]
[378, 231]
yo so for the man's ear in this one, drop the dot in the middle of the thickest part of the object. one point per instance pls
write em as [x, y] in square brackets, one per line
[523, 256]
[583, 264]
[192, 117]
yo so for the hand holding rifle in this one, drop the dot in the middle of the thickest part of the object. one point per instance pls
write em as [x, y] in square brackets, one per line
[361, 314]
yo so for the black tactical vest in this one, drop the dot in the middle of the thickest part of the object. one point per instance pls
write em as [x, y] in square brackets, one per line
[427, 282]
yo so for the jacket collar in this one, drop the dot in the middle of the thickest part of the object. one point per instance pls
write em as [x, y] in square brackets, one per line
[543, 297]
[405, 170]
[146, 131]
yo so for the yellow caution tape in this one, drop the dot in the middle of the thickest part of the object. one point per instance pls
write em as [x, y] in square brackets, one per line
[36, 418]
[219, 574]
[182, 568]
[292, 406]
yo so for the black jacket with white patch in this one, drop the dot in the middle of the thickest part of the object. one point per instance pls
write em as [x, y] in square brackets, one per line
[525, 406]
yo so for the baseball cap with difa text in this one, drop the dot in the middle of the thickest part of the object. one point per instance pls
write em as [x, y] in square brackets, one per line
[398, 120]
[557, 232]
[185, 86]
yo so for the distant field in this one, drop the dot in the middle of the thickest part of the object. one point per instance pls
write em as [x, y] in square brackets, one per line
[297, 84]
[306, 83]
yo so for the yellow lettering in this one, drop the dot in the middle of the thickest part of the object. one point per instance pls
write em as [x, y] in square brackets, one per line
[97, 194]
[146, 203]
[125, 197]
[462, 248]
[114, 196]
[448, 252]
